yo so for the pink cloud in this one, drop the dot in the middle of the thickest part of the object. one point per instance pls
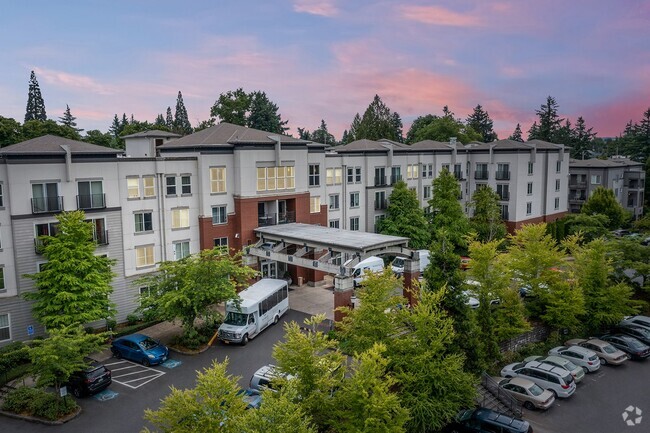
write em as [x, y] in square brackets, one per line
[325, 8]
[72, 81]
[609, 118]
[437, 15]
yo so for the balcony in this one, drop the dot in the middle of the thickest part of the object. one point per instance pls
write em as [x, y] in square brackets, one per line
[380, 181]
[459, 175]
[92, 201]
[481, 175]
[381, 204]
[502, 175]
[504, 196]
[47, 204]
[101, 237]
[271, 219]
[287, 217]
[577, 198]
[394, 178]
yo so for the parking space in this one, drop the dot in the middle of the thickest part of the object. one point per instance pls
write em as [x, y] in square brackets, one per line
[105, 395]
[132, 375]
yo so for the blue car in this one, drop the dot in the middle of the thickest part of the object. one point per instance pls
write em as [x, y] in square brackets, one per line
[140, 348]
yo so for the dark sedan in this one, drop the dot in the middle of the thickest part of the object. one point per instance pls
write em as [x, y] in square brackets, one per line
[639, 332]
[630, 345]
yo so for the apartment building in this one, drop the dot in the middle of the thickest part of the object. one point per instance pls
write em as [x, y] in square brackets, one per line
[165, 197]
[626, 178]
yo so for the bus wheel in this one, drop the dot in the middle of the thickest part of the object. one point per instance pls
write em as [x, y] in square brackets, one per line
[276, 319]
[244, 340]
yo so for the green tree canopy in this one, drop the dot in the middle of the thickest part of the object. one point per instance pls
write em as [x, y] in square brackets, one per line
[443, 128]
[95, 136]
[35, 104]
[516, 134]
[378, 122]
[549, 122]
[582, 140]
[74, 286]
[481, 122]
[405, 217]
[69, 120]
[11, 131]
[182, 123]
[38, 128]
[232, 107]
[446, 210]
[264, 114]
[322, 135]
[418, 123]
[603, 202]
[486, 219]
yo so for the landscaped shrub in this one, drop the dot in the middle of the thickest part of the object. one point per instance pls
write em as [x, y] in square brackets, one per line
[13, 355]
[132, 319]
[39, 403]
[18, 401]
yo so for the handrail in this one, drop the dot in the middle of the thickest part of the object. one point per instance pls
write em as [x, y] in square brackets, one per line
[503, 396]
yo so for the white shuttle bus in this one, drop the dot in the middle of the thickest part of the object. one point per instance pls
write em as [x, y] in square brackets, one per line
[262, 304]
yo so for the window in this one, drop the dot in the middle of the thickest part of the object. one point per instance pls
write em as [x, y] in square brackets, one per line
[503, 190]
[529, 188]
[595, 179]
[219, 215]
[261, 179]
[334, 202]
[148, 186]
[144, 256]
[504, 212]
[503, 172]
[133, 186]
[91, 195]
[426, 192]
[2, 200]
[143, 222]
[558, 166]
[354, 199]
[350, 174]
[334, 224]
[333, 176]
[170, 183]
[5, 327]
[557, 184]
[186, 185]
[354, 223]
[395, 174]
[458, 172]
[529, 208]
[314, 204]
[218, 179]
[380, 200]
[380, 176]
[144, 291]
[445, 167]
[557, 203]
[3, 288]
[221, 242]
[314, 174]
[412, 171]
[180, 218]
[427, 170]
[357, 174]
[181, 250]
[481, 171]
[530, 168]
[45, 197]
[275, 178]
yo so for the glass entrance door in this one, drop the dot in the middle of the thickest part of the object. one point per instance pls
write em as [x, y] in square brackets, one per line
[269, 269]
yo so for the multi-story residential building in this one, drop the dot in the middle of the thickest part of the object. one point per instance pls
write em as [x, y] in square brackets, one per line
[626, 178]
[166, 197]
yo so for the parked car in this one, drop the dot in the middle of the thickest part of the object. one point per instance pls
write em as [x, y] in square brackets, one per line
[470, 299]
[556, 379]
[268, 376]
[486, 420]
[91, 380]
[140, 348]
[528, 392]
[630, 345]
[639, 332]
[637, 321]
[585, 358]
[251, 397]
[577, 372]
[607, 353]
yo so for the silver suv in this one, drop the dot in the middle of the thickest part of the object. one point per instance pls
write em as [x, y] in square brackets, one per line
[267, 377]
[548, 376]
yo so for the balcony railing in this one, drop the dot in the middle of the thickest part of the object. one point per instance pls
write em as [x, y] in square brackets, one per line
[394, 178]
[287, 217]
[459, 175]
[381, 204]
[577, 198]
[101, 237]
[47, 204]
[271, 219]
[481, 175]
[92, 201]
[380, 181]
[502, 175]
[504, 196]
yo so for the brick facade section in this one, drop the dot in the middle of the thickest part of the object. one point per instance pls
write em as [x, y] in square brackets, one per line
[516, 225]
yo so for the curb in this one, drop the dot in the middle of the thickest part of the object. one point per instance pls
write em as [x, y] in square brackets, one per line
[34, 419]
[189, 352]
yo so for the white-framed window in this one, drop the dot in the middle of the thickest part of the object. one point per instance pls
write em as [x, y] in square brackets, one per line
[429, 171]
[40, 266]
[380, 200]
[333, 176]
[557, 203]
[144, 256]
[529, 188]
[2, 199]
[275, 178]
[529, 208]
[558, 166]
[530, 168]
[221, 242]
[144, 291]
[133, 187]
[445, 166]
[314, 204]
[181, 249]
[595, 179]
[350, 174]
[186, 184]
[334, 202]
[149, 186]
[426, 192]
[143, 222]
[354, 199]
[412, 171]
[354, 223]
[314, 174]
[5, 327]
[219, 215]
[557, 184]
[180, 218]
[3, 287]
[217, 180]
[170, 185]
[334, 224]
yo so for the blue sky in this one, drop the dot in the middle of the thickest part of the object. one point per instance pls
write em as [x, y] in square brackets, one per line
[326, 59]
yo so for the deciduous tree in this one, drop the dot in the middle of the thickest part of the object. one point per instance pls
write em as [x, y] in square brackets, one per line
[232, 107]
[486, 219]
[11, 132]
[603, 202]
[419, 123]
[404, 217]
[446, 127]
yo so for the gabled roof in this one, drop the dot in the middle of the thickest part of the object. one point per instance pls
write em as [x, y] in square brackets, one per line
[227, 134]
[431, 145]
[541, 144]
[363, 145]
[51, 145]
[152, 133]
[603, 163]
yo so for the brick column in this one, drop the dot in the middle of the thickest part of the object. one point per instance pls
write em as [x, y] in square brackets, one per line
[411, 276]
[343, 290]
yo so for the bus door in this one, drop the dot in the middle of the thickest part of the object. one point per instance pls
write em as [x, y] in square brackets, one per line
[252, 325]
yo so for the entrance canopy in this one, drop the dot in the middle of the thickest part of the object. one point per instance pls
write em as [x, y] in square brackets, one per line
[334, 251]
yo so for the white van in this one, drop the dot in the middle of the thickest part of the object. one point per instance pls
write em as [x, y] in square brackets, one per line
[398, 264]
[261, 304]
[371, 264]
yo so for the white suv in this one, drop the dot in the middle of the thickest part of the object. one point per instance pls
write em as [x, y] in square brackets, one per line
[268, 376]
[585, 358]
[555, 379]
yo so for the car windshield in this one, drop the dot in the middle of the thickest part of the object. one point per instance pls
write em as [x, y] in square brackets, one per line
[398, 262]
[608, 348]
[535, 390]
[569, 366]
[236, 319]
[567, 379]
[148, 343]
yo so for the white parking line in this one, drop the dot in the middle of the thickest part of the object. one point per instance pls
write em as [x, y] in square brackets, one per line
[126, 368]
[141, 369]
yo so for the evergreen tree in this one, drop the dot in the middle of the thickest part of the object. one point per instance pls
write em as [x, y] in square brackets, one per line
[354, 127]
[379, 122]
[582, 141]
[516, 134]
[304, 134]
[446, 112]
[419, 123]
[169, 120]
[182, 123]
[322, 135]
[446, 209]
[565, 134]
[486, 219]
[533, 132]
[159, 122]
[404, 217]
[345, 137]
[264, 114]
[232, 107]
[69, 120]
[480, 121]
[549, 120]
[35, 104]
[398, 127]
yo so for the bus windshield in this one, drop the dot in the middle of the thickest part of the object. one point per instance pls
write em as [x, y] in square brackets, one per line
[236, 319]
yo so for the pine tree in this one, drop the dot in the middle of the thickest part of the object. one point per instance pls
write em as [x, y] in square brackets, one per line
[582, 140]
[354, 127]
[181, 120]
[516, 134]
[160, 121]
[35, 104]
[549, 120]
[169, 120]
[446, 112]
[304, 134]
[379, 122]
[345, 139]
[69, 120]
[264, 114]
[116, 127]
[322, 135]
[480, 121]
[486, 219]
[446, 209]
[533, 132]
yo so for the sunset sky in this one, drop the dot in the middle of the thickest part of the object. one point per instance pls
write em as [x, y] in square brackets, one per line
[326, 59]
